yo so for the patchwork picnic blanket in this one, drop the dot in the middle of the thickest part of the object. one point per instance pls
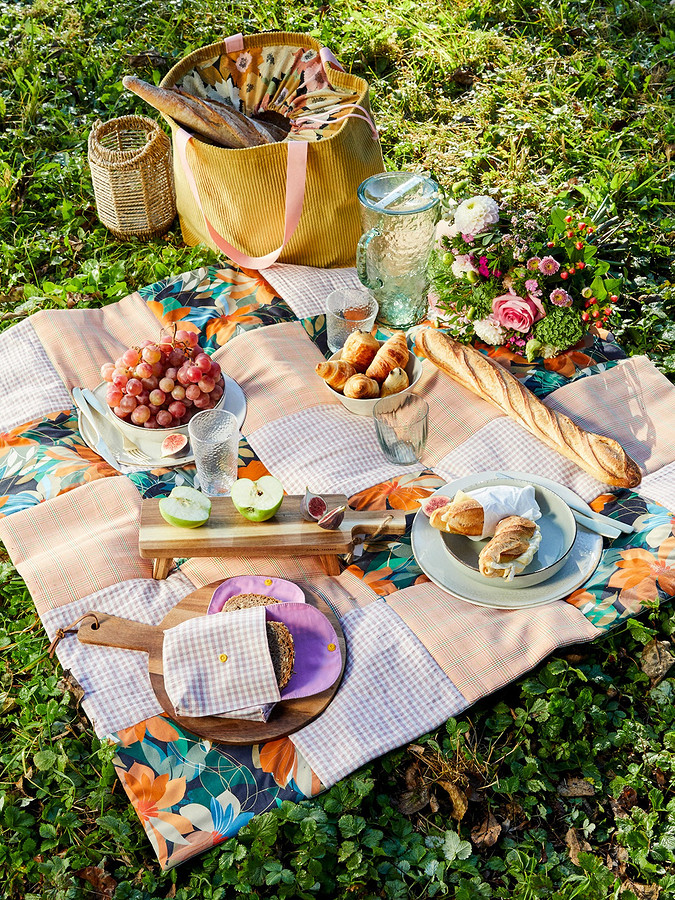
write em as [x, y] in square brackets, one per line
[416, 654]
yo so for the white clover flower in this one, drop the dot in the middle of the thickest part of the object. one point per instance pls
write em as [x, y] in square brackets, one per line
[489, 331]
[475, 214]
[462, 264]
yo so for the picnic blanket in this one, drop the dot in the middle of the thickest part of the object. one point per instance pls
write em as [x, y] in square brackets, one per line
[416, 654]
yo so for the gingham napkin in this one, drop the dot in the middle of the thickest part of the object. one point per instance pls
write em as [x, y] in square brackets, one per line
[220, 665]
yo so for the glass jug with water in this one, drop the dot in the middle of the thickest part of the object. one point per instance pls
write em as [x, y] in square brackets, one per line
[399, 211]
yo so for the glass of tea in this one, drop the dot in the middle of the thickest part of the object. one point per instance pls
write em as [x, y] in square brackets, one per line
[347, 310]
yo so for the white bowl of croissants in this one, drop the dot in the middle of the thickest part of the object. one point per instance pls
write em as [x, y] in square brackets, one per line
[366, 369]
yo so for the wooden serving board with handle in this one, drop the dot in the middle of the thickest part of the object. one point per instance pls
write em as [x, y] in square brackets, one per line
[286, 717]
[228, 533]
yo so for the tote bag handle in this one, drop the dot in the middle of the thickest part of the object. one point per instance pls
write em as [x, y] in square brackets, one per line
[296, 176]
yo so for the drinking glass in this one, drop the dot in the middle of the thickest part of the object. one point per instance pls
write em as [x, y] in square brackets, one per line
[347, 310]
[401, 424]
[214, 438]
[399, 211]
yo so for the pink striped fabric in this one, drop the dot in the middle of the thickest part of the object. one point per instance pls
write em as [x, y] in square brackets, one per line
[482, 649]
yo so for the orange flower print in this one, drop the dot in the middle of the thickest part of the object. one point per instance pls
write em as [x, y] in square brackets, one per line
[376, 580]
[403, 492]
[581, 598]
[225, 326]
[568, 363]
[253, 470]
[637, 575]
[171, 316]
[600, 502]
[247, 283]
[278, 758]
[158, 726]
[153, 796]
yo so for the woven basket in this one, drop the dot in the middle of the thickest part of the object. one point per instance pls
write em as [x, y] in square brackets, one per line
[132, 173]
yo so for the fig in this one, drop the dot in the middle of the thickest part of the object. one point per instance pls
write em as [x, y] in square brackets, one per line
[174, 444]
[312, 507]
[333, 519]
[429, 504]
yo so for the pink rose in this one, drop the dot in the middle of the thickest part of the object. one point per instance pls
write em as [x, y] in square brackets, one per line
[512, 311]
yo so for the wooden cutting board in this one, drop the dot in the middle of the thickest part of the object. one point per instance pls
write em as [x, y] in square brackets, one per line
[286, 717]
[228, 533]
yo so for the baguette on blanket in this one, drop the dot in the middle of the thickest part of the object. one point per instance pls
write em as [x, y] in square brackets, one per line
[600, 456]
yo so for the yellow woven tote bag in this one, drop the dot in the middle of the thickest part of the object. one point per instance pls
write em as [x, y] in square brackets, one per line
[292, 201]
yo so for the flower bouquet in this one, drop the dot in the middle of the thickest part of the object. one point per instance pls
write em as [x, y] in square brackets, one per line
[509, 277]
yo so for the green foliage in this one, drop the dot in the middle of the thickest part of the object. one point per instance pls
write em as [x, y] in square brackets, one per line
[534, 101]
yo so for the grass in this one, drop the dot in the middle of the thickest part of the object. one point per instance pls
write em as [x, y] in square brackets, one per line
[569, 100]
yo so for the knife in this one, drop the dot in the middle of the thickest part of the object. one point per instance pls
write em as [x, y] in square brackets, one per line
[100, 445]
[594, 524]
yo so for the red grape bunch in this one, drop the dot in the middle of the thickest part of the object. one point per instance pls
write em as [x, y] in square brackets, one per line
[162, 384]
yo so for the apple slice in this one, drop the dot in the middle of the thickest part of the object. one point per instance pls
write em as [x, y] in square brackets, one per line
[257, 500]
[185, 508]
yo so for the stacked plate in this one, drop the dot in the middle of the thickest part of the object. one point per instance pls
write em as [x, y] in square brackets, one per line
[566, 557]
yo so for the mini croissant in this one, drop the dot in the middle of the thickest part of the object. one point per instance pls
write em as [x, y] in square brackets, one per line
[360, 387]
[335, 373]
[397, 380]
[359, 350]
[392, 354]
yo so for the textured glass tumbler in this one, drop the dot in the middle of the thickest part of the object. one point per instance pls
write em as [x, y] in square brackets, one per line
[347, 310]
[399, 211]
[214, 438]
[401, 424]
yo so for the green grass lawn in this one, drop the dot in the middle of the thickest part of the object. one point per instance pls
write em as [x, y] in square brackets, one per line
[570, 100]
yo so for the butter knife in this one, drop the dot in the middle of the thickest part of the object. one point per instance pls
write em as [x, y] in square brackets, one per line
[100, 446]
[594, 524]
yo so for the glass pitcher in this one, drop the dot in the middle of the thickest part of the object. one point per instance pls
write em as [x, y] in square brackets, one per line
[399, 211]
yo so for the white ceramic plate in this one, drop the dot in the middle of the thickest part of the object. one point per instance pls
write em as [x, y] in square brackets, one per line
[235, 402]
[438, 565]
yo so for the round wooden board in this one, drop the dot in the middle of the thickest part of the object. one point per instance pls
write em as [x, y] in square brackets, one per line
[286, 717]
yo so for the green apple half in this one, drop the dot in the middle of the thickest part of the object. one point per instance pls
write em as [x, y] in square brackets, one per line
[185, 508]
[257, 500]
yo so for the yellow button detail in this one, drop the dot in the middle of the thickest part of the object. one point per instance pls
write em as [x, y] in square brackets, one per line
[223, 657]
[268, 581]
[332, 647]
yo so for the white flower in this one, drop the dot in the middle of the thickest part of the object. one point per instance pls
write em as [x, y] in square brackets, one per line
[489, 331]
[445, 230]
[461, 264]
[475, 214]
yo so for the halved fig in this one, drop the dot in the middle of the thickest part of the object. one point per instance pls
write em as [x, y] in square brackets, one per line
[312, 507]
[429, 504]
[174, 445]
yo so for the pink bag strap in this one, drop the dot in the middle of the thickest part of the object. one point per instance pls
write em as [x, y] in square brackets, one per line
[296, 175]
[327, 56]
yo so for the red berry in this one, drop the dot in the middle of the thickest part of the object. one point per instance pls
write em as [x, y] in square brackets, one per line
[596, 313]
[585, 317]
[568, 219]
[564, 276]
[570, 234]
[550, 244]
[579, 245]
[581, 265]
[607, 311]
[582, 225]
[613, 298]
[591, 230]
[572, 271]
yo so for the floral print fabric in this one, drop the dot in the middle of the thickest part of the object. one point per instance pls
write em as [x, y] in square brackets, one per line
[191, 795]
[288, 81]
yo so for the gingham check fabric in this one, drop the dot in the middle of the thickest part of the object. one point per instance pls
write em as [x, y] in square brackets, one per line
[78, 542]
[116, 683]
[305, 288]
[391, 690]
[502, 445]
[216, 665]
[21, 400]
[632, 402]
[482, 649]
[79, 341]
[660, 486]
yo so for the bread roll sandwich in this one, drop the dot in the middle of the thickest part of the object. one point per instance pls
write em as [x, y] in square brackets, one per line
[600, 456]
[463, 515]
[512, 548]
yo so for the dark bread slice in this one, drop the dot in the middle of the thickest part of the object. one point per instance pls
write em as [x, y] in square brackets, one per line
[282, 651]
[246, 601]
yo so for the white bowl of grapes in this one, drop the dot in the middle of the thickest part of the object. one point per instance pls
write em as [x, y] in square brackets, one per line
[155, 388]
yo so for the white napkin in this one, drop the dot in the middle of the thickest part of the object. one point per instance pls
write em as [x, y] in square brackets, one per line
[501, 501]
